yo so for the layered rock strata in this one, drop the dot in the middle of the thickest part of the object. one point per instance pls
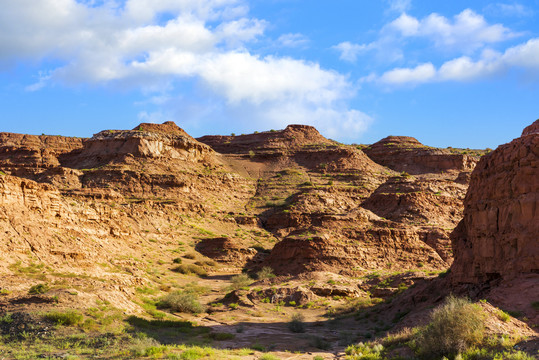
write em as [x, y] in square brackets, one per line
[499, 235]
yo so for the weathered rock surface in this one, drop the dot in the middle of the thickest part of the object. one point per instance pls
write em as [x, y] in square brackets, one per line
[328, 206]
[228, 251]
[30, 155]
[166, 141]
[293, 137]
[403, 153]
[498, 237]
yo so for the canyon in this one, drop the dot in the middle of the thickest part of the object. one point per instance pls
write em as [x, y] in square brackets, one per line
[120, 220]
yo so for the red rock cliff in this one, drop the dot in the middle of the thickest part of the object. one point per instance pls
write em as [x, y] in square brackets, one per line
[498, 237]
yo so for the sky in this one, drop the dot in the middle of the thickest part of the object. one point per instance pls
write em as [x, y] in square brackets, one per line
[449, 73]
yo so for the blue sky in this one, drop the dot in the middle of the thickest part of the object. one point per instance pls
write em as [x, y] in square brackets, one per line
[450, 73]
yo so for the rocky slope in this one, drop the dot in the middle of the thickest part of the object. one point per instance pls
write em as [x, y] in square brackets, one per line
[330, 206]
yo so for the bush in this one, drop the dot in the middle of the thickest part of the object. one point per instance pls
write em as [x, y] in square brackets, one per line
[454, 327]
[365, 351]
[182, 301]
[67, 318]
[190, 269]
[268, 357]
[38, 289]
[239, 281]
[296, 324]
[265, 273]
[177, 261]
[503, 316]
[206, 262]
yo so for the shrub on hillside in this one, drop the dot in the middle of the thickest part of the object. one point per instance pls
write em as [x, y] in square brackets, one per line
[454, 327]
[239, 281]
[296, 324]
[38, 289]
[190, 269]
[265, 273]
[182, 301]
[66, 318]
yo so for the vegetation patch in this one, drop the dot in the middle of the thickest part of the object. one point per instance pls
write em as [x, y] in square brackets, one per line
[455, 326]
[182, 301]
[65, 318]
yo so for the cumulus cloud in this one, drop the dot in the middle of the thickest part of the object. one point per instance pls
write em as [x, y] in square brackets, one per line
[420, 74]
[349, 51]
[467, 31]
[523, 56]
[158, 45]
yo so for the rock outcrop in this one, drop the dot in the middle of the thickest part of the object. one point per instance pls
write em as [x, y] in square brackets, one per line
[166, 141]
[404, 153]
[498, 237]
[291, 138]
[29, 155]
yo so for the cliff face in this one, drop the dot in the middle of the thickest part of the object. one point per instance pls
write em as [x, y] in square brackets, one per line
[498, 237]
[403, 153]
[109, 145]
[28, 155]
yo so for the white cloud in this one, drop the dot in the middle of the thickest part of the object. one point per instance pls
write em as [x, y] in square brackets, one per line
[467, 31]
[293, 40]
[349, 51]
[407, 25]
[420, 74]
[514, 9]
[158, 45]
[399, 5]
[43, 78]
[524, 57]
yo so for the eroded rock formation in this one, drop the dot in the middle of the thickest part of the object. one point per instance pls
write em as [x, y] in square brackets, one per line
[499, 235]
[404, 153]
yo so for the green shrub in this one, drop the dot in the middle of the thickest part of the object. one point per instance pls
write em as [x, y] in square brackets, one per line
[265, 273]
[296, 324]
[365, 351]
[190, 269]
[240, 281]
[503, 316]
[268, 357]
[6, 319]
[454, 327]
[182, 301]
[38, 289]
[206, 262]
[177, 260]
[190, 256]
[66, 318]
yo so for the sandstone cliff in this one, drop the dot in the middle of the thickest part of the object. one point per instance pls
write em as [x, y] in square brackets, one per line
[498, 237]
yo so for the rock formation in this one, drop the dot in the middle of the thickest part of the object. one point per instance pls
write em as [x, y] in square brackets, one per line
[403, 153]
[499, 235]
